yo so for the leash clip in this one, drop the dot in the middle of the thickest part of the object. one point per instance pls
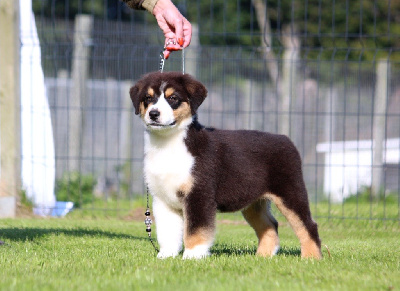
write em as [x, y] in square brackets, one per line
[162, 62]
[183, 61]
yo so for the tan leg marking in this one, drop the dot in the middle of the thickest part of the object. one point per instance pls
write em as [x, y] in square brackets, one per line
[309, 249]
[201, 237]
[258, 217]
[186, 187]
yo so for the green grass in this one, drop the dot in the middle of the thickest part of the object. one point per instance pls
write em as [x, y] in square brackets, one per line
[113, 254]
[361, 208]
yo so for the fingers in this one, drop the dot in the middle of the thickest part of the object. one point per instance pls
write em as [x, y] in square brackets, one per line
[179, 30]
[183, 32]
[187, 32]
[170, 20]
[170, 45]
[175, 38]
[171, 48]
[166, 54]
[174, 26]
[173, 42]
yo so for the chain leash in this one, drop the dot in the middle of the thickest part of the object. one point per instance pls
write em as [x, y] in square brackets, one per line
[162, 61]
[148, 222]
[183, 61]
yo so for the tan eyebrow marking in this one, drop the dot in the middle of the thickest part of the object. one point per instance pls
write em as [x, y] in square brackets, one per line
[150, 91]
[169, 92]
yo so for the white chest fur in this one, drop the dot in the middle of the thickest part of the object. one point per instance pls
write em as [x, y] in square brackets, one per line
[167, 166]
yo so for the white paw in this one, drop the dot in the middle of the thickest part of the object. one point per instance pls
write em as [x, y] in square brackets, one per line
[163, 254]
[197, 252]
[276, 250]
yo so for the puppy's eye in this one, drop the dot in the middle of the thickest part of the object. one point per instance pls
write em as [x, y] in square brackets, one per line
[173, 98]
[148, 98]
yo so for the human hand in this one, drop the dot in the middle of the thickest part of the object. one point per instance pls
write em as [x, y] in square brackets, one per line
[176, 28]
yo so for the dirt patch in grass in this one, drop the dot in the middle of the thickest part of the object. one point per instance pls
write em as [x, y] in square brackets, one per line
[24, 211]
[232, 222]
[136, 214]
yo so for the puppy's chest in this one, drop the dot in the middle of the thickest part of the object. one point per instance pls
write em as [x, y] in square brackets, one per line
[168, 170]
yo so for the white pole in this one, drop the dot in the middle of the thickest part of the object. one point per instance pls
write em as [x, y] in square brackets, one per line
[10, 118]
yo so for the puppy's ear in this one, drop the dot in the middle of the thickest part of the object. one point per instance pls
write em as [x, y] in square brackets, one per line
[135, 97]
[197, 92]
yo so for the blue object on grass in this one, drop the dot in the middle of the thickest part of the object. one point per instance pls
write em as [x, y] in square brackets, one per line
[61, 208]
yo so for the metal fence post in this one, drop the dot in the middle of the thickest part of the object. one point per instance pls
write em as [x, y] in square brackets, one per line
[290, 59]
[79, 75]
[192, 52]
[10, 115]
[126, 138]
[379, 124]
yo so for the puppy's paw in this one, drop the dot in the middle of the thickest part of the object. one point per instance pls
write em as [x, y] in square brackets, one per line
[197, 252]
[163, 254]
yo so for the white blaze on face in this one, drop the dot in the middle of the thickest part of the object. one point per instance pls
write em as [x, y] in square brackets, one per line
[166, 112]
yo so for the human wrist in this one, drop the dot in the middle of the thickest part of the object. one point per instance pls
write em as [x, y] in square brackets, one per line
[160, 6]
[149, 5]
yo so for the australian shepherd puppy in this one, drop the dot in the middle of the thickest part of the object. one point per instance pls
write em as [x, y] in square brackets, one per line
[193, 171]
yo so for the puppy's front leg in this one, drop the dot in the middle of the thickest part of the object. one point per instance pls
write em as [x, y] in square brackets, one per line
[199, 229]
[169, 227]
[198, 244]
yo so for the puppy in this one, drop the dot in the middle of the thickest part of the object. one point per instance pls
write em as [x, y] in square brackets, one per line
[192, 172]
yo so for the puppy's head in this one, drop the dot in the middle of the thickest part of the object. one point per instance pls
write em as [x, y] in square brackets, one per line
[167, 100]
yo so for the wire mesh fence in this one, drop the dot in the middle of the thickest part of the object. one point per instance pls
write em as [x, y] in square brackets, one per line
[323, 72]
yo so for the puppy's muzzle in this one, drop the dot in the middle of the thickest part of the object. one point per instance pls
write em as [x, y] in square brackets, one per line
[154, 114]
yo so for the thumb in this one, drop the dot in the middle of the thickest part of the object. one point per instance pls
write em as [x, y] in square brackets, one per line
[166, 54]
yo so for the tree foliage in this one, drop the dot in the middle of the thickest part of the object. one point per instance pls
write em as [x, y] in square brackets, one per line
[68, 9]
[354, 29]
[351, 29]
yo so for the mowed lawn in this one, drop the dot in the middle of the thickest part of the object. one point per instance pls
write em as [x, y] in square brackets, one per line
[114, 254]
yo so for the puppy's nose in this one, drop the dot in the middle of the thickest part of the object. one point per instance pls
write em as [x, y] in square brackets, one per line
[154, 114]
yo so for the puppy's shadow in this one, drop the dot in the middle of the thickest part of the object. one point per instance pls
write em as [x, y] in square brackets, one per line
[224, 249]
[230, 250]
[285, 251]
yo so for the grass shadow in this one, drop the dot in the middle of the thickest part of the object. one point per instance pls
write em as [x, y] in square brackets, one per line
[32, 234]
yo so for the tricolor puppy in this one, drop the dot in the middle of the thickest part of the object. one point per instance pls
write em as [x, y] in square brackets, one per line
[192, 172]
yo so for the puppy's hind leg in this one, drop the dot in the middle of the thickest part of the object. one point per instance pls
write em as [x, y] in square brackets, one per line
[297, 211]
[169, 228]
[259, 216]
